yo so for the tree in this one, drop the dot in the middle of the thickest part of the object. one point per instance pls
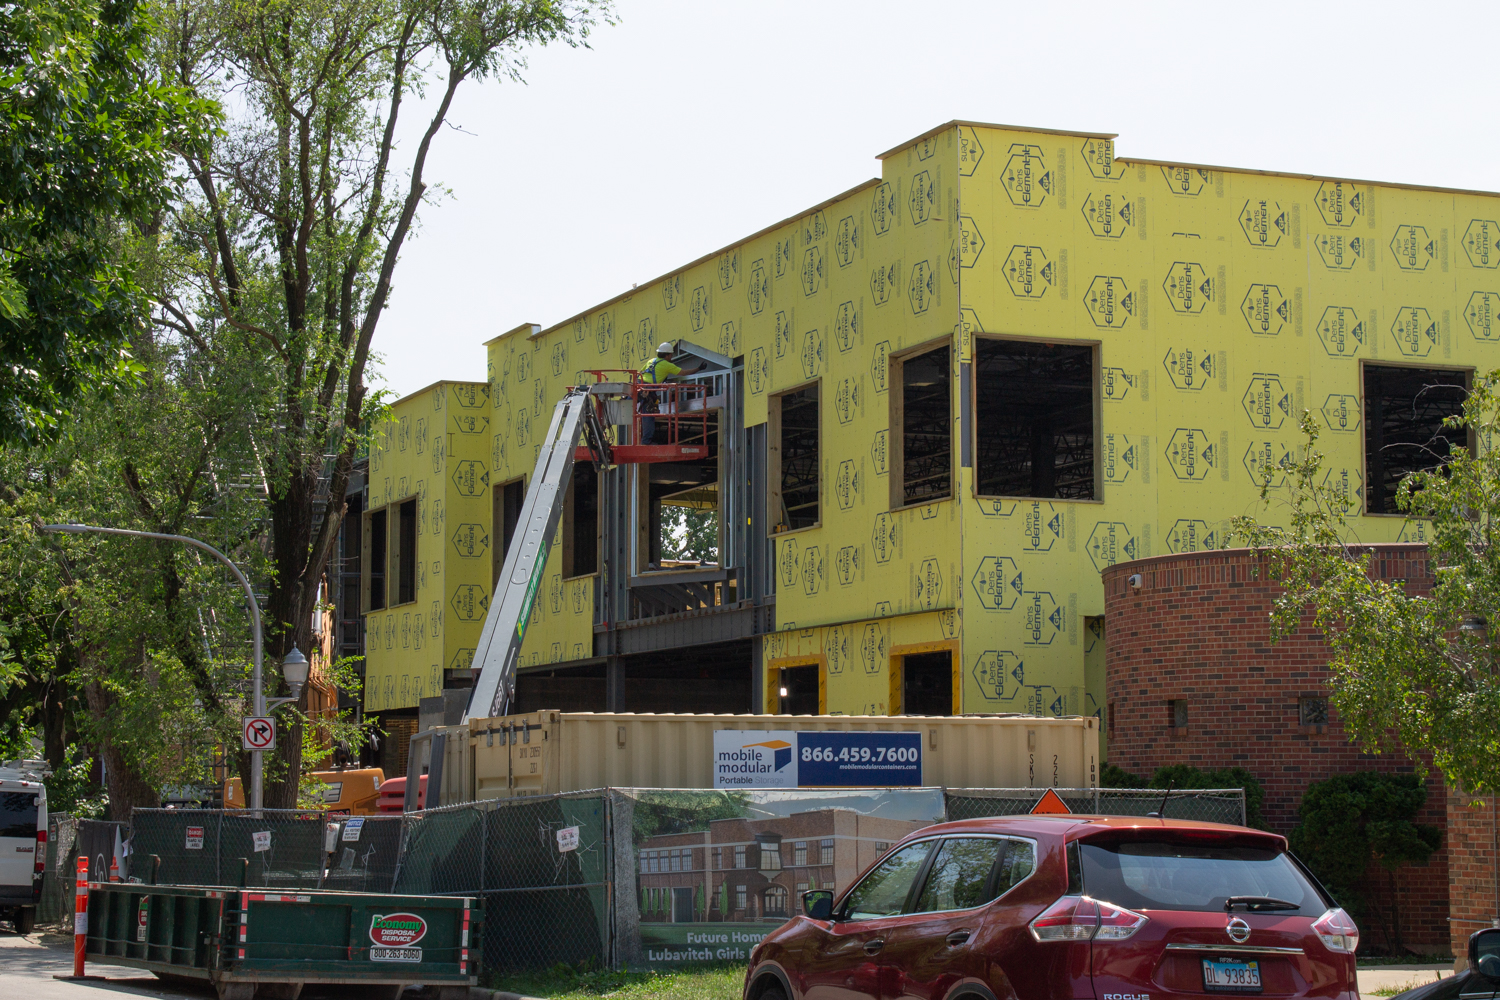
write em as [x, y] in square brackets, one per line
[1353, 820]
[139, 646]
[1418, 674]
[86, 134]
[301, 208]
[688, 533]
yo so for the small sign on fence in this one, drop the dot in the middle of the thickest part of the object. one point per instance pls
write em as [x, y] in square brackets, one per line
[567, 839]
[195, 838]
[262, 839]
[352, 827]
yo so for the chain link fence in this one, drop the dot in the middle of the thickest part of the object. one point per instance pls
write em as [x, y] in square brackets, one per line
[57, 900]
[1210, 805]
[273, 849]
[547, 900]
[609, 877]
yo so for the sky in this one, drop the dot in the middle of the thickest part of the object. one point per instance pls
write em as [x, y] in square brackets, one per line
[690, 125]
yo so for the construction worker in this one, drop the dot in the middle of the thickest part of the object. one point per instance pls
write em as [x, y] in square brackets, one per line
[658, 370]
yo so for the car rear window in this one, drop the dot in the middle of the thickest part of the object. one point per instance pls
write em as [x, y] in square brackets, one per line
[1166, 875]
[18, 814]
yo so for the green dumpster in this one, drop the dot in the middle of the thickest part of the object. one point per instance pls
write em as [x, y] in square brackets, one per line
[249, 941]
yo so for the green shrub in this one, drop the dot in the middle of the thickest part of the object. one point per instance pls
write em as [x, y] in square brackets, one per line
[1351, 820]
[1117, 777]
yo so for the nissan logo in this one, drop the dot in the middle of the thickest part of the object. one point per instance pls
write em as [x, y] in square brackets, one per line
[1238, 930]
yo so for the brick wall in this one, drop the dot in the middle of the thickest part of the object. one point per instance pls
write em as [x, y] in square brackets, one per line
[1473, 867]
[1198, 630]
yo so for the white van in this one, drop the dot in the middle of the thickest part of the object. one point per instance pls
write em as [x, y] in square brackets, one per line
[23, 841]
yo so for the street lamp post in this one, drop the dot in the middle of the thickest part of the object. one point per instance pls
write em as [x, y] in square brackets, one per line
[295, 665]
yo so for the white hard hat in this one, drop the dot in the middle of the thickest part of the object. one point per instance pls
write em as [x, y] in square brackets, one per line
[665, 347]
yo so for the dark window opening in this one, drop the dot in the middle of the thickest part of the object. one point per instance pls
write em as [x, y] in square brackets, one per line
[581, 530]
[926, 428]
[798, 443]
[1312, 711]
[1034, 419]
[927, 684]
[1404, 433]
[798, 690]
[377, 534]
[1177, 713]
[406, 552]
[351, 548]
[506, 514]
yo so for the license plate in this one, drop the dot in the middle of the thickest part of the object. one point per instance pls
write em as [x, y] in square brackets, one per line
[1227, 976]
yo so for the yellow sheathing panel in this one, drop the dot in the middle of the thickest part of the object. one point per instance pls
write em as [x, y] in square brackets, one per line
[1225, 303]
[855, 657]
[527, 378]
[432, 447]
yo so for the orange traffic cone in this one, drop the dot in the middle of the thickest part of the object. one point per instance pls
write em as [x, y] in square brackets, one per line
[114, 869]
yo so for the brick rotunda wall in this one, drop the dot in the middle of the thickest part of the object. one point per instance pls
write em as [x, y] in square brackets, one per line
[1474, 866]
[1198, 630]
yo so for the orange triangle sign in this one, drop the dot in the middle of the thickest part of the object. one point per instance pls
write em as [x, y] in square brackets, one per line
[1051, 804]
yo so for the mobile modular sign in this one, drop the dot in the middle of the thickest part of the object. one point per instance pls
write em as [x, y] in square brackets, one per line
[751, 758]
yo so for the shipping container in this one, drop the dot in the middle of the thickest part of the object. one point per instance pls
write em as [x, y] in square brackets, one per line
[540, 753]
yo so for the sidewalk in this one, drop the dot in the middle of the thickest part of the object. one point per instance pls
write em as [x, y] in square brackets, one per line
[1399, 977]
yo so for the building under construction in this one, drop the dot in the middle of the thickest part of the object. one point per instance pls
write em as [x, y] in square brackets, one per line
[932, 410]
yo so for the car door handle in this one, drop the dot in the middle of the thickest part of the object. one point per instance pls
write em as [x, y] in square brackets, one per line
[957, 938]
[872, 947]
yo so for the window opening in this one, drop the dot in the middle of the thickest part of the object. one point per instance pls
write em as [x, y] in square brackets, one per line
[581, 521]
[926, 427]
[1312, 711]
[1404, 433]
[798, 690]
[406, 552]
[506, 513]
[378, 537]
[1034, 419]
[795, 504]
[352, 544]
[927, 683]
[684, 498]
[776, 901]
[1177, 713]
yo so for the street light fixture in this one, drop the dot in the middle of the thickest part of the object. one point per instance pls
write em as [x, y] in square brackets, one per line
[294, 669]
[257, 778]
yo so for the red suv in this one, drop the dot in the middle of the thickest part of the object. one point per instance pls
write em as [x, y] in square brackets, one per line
[1067, 908]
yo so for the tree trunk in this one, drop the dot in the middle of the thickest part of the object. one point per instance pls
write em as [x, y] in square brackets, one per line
[128, 790]
[289, 609]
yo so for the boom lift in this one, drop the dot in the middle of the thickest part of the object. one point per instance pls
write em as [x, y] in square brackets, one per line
[613, 398]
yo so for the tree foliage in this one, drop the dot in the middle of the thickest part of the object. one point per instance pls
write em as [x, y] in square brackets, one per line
[143, 645]
[1405, 675]
[86, 138]
[1353, 820]
[688, 533]
[299, 212]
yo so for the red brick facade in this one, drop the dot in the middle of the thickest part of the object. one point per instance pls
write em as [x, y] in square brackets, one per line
[1473, 866]
[1197, 631]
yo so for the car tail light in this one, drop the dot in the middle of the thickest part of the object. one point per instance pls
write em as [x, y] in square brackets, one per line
[40, 858]
[1079, 918]
[1337, 931]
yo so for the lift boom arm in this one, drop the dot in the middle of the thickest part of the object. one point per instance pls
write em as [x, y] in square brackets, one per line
[515, 591]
